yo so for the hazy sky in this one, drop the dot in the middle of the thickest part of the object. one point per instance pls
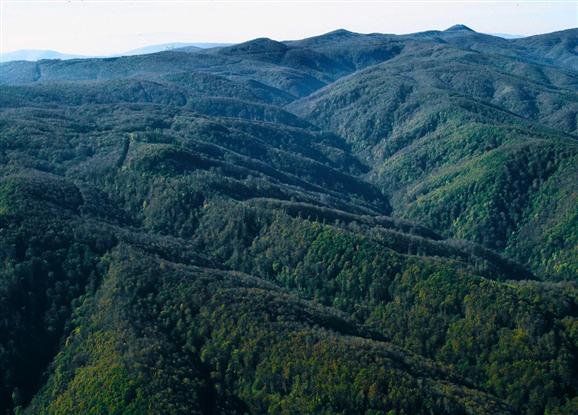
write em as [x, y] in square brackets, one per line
[103, 26]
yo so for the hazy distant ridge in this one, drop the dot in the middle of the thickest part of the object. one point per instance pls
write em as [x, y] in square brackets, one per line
[39, 54]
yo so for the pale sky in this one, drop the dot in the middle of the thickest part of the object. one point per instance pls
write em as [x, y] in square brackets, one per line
[98, 27]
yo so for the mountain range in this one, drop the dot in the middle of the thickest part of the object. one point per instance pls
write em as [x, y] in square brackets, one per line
[39, 54]
[344, 224]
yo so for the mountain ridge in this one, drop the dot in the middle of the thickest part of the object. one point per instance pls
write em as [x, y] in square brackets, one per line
[346, 223]
[34, 55]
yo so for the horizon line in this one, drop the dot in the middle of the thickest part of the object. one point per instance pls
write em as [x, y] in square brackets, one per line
[501, 35]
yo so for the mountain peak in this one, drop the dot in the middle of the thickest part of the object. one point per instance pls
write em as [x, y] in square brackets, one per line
[459, 28]
[340, 32]
[261, 42]
[259, 45]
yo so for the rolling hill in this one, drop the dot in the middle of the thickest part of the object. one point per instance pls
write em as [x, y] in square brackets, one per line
[341, 224]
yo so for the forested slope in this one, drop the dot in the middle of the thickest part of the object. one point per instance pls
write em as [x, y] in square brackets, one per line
[342, 224]
[466, 143]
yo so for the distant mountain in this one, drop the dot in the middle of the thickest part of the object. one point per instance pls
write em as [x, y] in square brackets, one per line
[507, 35]
[458, 28]
[36, 55]
[171, 46]
[464, 28]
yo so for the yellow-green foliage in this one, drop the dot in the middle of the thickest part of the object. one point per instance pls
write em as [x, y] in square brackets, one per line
[102, 385]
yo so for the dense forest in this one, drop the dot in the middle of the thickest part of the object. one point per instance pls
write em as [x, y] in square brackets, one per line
[344, 224]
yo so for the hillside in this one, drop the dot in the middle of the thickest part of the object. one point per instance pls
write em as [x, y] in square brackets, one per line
[341, 224]
[464, 146]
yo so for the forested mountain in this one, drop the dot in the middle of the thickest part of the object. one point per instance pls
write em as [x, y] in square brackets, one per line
[341, 224]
